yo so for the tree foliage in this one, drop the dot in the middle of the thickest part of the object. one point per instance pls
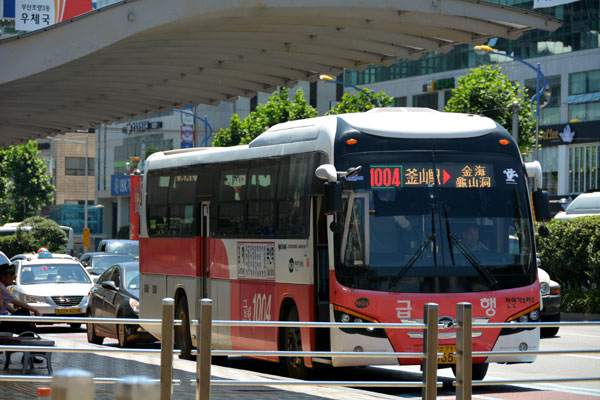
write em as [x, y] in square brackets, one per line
[43, 233]
[24, 186]
[487, 91]
[278, 108]
[364, 101]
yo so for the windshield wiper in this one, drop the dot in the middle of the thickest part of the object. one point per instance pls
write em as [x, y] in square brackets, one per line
[473, 260]
[413, 259]
[449, 234]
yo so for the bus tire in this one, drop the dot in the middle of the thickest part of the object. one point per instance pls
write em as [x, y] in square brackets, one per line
[183, 338]
[91, 332]
[292, 341]
[478, 372]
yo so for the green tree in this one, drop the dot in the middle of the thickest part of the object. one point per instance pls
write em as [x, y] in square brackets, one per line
[487, 91]
[42, 232]
[278, 108]
[28, 188]
[364, 101]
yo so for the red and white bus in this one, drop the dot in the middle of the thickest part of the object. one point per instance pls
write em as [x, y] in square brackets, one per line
[358, 217]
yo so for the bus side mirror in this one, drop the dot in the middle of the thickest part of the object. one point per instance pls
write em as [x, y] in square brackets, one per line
[333, 197]
[541, 205]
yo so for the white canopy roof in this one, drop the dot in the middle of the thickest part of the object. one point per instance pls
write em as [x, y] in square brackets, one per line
[142, 56]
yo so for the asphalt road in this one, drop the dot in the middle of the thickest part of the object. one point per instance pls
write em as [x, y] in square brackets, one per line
[563, 366]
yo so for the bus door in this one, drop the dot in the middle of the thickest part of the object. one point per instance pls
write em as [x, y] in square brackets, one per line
[203, 250]
[321, 273]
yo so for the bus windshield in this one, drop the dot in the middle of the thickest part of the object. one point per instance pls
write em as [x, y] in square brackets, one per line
[436, 222]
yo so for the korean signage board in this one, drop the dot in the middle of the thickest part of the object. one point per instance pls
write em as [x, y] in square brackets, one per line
[31, 15]
[120, 185]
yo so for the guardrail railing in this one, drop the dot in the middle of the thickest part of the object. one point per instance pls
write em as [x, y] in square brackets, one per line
[204, 325]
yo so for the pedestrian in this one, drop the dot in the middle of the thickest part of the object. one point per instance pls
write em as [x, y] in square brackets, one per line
[9, 303]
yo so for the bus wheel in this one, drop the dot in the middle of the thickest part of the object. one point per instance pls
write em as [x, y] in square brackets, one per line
[292, 341]
[479, 371]
[183, 338]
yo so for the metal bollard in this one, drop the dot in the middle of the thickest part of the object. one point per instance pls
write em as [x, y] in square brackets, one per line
[137, 388]
[203, 362]
[430, 348]
[73, 384]
[166, 349]
[464, 351]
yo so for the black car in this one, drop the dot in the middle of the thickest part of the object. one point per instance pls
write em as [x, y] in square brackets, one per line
[116, 294]
[98, 262]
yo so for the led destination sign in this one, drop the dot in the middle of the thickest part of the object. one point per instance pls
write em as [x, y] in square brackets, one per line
[466, 176]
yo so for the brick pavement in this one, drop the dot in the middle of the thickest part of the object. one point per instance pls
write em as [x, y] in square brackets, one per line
[104, 365]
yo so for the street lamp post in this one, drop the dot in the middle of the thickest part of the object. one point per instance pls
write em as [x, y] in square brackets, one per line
[541, 88]
[330, 78]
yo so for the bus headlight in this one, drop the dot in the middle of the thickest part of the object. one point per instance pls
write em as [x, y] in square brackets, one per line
[534, 315]
[345, 315]
[523, 318]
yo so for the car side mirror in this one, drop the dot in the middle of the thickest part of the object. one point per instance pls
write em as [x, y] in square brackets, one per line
[110, 285]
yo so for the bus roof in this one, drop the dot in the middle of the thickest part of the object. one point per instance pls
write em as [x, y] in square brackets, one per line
[319, 134]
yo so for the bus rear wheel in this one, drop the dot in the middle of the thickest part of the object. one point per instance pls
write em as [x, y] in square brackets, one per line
[183, 338]
[292, 341]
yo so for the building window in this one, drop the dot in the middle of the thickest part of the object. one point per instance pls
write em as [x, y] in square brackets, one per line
[584, 96]
[76, 166]
[583, 168]
[550, 114]
[399, 102]
[428, 100]
[548, 157]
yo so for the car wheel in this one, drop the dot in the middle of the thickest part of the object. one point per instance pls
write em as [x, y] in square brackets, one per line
[292, 341]
[91, 332]
[550, 332]
[122, 334]
[75, 325]
[183, 338]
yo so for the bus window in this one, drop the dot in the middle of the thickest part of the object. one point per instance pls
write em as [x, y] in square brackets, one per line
[158, 189]
[232, 186]
[260, 196]
[293, 177]
[181, 203]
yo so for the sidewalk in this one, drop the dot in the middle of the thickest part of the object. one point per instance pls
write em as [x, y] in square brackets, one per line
[104, 365]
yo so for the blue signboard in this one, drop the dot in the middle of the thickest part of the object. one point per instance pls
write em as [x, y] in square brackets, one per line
[120, 185]
[8, 9]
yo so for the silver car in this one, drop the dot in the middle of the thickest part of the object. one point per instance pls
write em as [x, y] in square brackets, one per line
[54, 286]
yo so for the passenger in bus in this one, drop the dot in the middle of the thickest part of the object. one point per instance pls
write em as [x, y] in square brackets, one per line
[470, 238]
[9, 305]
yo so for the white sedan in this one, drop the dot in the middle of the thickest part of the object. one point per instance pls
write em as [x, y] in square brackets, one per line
[54, 286]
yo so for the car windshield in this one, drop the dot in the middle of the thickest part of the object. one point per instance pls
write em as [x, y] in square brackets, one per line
[127, 248]
[102, 262]
[436, 223]
[132, 278]
[53, 273]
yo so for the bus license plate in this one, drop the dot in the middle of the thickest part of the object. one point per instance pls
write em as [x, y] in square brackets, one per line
[73, 310]
[448, 356]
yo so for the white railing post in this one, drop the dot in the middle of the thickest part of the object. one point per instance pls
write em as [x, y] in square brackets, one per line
[73, 384]
[464, 351]
[166, 349]
[430, 348]
[203, 360]
[137, 388]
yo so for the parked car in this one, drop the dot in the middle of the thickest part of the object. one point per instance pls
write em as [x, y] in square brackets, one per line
[98, 262]
[550, 307]
[583, 205]
[116, 294]
[131, 247]
[54, 286]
